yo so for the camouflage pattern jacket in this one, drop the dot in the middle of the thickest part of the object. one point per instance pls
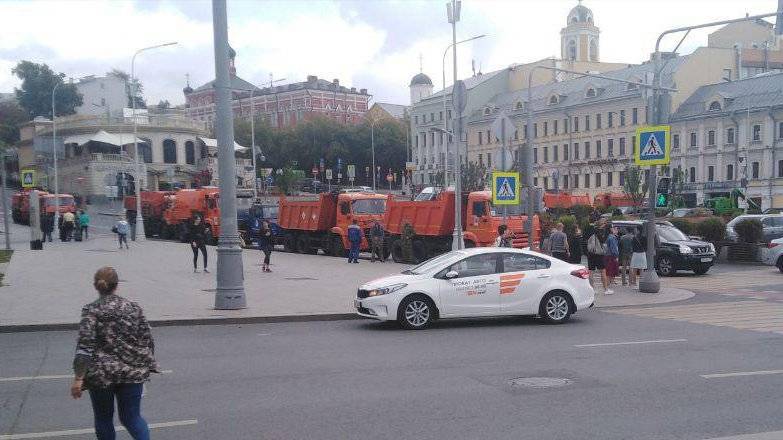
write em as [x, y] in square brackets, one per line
[115, 344]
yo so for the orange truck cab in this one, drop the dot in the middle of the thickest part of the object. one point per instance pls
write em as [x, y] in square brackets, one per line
[431, 216]
[184, 205]
[309, 224]
[20, 205]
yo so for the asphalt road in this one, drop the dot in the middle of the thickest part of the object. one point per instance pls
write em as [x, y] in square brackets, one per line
[361, 379]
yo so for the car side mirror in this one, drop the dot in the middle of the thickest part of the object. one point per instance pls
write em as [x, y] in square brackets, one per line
[451, 274]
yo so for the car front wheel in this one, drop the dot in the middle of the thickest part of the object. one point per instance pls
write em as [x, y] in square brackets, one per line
[415, 313]
[665, 266]
[555, 308]
[701, 270]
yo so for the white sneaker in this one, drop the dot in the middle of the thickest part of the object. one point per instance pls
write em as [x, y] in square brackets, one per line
[608, 292]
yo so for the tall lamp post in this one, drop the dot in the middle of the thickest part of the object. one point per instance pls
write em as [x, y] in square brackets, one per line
[54, 155]
[445, 119]
[453, 15]
[139, 219]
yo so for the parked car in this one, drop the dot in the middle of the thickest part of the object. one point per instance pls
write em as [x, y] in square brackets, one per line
[774, 255]
[690, 212]
[772, 225]
[773, 211]
[675, 250]
[478, 282]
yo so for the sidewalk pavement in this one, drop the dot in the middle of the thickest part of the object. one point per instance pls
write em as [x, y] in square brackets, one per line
[46, 289]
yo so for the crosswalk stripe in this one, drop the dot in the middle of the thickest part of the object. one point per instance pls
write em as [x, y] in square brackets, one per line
[70, 432]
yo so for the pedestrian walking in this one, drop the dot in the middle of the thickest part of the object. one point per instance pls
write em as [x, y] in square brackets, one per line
[639, 257]
[377, 237]
[355, 239]
[558, 242]
[115, 355]
[626, 251]
[197, 235]
[130, 216]
[69, 223]
[84, 224]
[504, 237]
[121, 228]
[595, 257]
[575, 243]
[610, 257]
[264, 243]
[47, 226]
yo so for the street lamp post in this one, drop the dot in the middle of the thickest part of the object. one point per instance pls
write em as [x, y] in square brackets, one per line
[453, 14]
[54, 155]
[372, 148]
[445, 119]
[3, 181]
[139, 219]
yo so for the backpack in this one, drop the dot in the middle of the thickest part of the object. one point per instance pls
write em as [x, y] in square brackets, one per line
[594, 245]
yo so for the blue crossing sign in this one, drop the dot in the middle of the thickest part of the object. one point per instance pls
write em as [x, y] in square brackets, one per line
[505, 188]
[653, 145]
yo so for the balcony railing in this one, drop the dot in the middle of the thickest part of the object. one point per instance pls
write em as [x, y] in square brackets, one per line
[150, 120]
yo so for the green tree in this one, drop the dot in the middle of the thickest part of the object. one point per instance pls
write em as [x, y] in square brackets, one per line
[11, 117]
[130, 86]
[473, 177]
[635, 185]
[35, 95]
[287, 180]
[675, 189]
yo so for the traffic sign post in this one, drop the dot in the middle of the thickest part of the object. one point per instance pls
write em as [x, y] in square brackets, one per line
[505, 188]
[28, 178]
[652, 145]
[329, 177]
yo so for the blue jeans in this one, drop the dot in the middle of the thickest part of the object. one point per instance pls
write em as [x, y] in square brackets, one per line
[128, 397]
[353, 253]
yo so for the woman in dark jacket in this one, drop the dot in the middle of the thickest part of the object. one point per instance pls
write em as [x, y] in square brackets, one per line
[115, 354]
[575, 243]
[265, 243]
[197, 235]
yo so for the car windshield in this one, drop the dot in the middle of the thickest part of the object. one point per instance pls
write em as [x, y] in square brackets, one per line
[670, 233]
[680, 212]
[369, 206]
[433, 263]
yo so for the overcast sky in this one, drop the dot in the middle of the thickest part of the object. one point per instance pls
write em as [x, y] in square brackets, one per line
[371, 44]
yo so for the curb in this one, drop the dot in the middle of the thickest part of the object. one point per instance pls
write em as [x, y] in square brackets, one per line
[24, 328]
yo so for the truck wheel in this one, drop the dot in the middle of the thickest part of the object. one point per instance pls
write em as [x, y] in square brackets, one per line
[182, 233]
[337, 247]
[167, 232]
[419, 251]
[396, 251]
[289, 243]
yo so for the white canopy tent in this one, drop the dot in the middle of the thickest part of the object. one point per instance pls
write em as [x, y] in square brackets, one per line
[118, 139]
[213, 143]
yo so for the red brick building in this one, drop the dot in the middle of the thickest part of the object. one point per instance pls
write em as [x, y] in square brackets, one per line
[281, 106]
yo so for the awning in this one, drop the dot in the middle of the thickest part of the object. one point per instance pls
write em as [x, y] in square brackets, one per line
[118, 139]
[213, 143]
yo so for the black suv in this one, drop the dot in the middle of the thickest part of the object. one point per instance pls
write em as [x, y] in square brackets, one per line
[675, 250]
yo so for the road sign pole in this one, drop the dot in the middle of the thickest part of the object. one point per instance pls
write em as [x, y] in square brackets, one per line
[649, 281]
[503, 159]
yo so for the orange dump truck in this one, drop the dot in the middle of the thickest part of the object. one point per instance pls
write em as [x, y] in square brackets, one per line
[153, 204]
[616, 200]
[565, 200]
[20, 205]
[432, 218]
[312, 223]
[184, 205]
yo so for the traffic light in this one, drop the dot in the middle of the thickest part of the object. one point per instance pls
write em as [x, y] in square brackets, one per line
[662, 200]
[662, 193]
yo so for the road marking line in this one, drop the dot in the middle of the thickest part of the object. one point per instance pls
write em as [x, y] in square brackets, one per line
[68, 432]
[607, 344]
[265, 334]
[50, 377]
[742, 373]
[759, 436]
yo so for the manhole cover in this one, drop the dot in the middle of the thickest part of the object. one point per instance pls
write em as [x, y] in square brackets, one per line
[539, 382]
[300, 279]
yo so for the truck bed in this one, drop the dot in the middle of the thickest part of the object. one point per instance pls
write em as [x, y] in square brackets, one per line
[429, 218]
[308, 213]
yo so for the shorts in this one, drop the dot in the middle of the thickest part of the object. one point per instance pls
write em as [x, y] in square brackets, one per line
[612, 268]
[595, 262]
[639, 261]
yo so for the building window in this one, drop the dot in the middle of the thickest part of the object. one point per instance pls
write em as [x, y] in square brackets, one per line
[481, 159]
[622, 118]
[711, 138]
[590, 93]
[565, 151]
[423, 117]
[489, 138]
[432, 138]
[190, 153]
[424, 139]
[546, 128]
[598, 148]
[633, 146]
[535, 181]
[780, 129]
[587, 150]
[610, 148]
[598, 121]
[416, 118]
[756, 132]
[535, 155]
[622, 178]
[489, 160]
[755, 170]
[610, 178]
[554, 126]
[555, 153]
[587, 122]
[535, 129]
[675, 141]
[730, 136]
[576, 124]
[576, 151]
[622, 146]
[714, 106]
[730, 172]
[169, 151]
[146, 151]
[441, 115]
[432, 116]
[597, 180]
[481, 138]
[448, 112]
[693, 175]
[576, 181]
[546, 182]
[609, 120]
[565, 125]
[634, 116]
[546, 154]
[416, 141]
[780, 168]
[710, 173]
[693, 139]
[565, 181]
[587, 180]
[516, 135]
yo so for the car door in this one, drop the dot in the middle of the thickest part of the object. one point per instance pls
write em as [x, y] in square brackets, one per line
[475, 291]
[524, 279]
[773, 227]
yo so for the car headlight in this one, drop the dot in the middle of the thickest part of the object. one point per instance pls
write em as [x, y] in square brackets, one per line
[685, 249]
[712, 248]
[385, 290]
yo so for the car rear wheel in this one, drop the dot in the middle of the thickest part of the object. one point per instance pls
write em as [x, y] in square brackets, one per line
[555, 307]
[665, 266]
[416, 312]
[780, 263]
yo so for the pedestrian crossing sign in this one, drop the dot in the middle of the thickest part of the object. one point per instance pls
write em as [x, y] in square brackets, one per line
[28, 178]
[505, 188]
[652, 145]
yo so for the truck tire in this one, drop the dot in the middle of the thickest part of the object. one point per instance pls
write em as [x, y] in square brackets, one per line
[396, 251]
[167, 233]
[182, 233]
[337, 246]
[419, 251]
[289, 244]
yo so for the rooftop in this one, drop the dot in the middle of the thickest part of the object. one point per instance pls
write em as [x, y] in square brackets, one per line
[762, 91]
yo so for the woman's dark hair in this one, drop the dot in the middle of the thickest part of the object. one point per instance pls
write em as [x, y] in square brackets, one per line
[105, 280]
[502, 229]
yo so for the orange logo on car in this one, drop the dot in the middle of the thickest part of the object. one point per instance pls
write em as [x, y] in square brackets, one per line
[509, 283]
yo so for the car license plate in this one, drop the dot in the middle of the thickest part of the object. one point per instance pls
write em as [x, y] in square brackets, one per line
[357, 303]
[706, 260]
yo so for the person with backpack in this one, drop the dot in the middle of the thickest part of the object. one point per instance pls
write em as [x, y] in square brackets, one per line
[595, 257]
[575, 243]
[122, 229]
[265, 244]
[355, 238]
[376, 235]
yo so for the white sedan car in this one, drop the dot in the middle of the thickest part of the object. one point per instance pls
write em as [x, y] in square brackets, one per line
[478, 282]
[774, 255]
